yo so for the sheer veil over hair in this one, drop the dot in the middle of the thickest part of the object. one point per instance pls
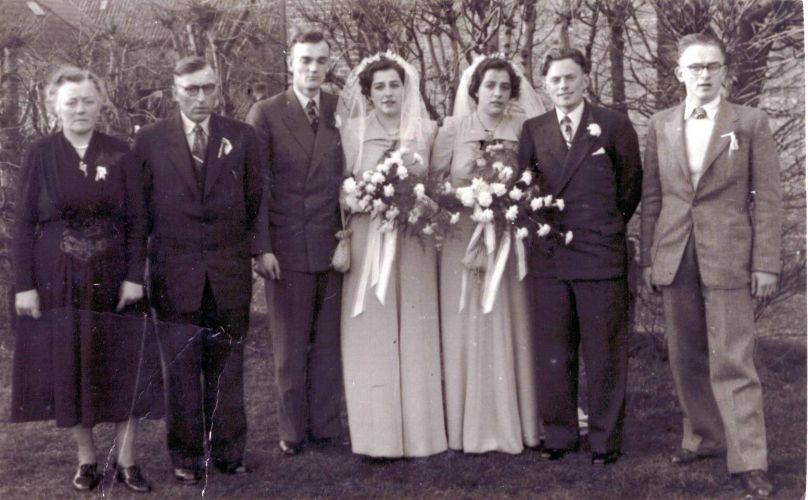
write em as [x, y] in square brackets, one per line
[354, 111]
[528, 102]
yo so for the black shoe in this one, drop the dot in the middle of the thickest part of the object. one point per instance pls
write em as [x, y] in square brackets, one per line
[232, 468]
[606, 458]
[686, 457]
[290, 447]
[187, 476]
[553, 454]
[132, 479]
[756, 483]
[86, 477]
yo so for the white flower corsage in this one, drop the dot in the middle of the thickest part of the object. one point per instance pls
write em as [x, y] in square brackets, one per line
[225, 147]
[733, 141]
[593, 129]
[100, 173]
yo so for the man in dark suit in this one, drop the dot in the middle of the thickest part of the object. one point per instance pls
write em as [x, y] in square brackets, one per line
[300, 145]
[590, 157]
[710, 242]
[203, 187]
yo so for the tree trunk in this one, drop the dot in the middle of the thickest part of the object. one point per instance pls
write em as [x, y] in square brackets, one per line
[616, 16]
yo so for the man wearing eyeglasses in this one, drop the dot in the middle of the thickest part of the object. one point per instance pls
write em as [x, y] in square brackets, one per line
[710, 242]
[203, 189]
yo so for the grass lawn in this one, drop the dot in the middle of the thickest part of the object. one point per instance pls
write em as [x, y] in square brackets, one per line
[37, 460]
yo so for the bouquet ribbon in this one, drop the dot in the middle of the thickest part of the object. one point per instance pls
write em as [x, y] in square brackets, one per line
[380, 253]
[496, 263]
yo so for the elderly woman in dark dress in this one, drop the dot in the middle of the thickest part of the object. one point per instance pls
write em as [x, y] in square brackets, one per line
[79, 252]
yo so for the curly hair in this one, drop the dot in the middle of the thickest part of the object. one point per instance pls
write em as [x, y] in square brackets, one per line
[72, 74]
[493, 64]
[382, 64]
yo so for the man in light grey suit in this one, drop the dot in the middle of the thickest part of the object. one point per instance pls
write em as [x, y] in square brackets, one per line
[710, 241]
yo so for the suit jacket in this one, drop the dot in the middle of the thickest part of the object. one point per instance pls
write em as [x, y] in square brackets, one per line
[599, 179]
[201, 233]
[305, 176]
[734, 214]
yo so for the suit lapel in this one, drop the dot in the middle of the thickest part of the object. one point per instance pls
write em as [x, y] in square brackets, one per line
[675, 134]
[298, 123]
[179, 154]
[725, 124]
[581, 146]
[214, 164]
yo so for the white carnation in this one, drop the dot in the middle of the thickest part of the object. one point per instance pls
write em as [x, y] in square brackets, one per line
[499, 188]
[389, 190]
[454, 218]
[419, 190]
[484, 199]
[544, 230]
[527, 177]
[559, 203]
[402, 172]
[521, 233]
[349, 185]
[568, 237]
[516, 194]
[377, 178]
[536, 203]
[512, 213]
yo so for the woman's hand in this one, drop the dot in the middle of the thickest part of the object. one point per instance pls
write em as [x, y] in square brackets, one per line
[129, 294]
[27, 304]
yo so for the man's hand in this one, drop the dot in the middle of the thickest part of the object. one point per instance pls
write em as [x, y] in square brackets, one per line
[129, 294]
[763, 284]
[27, 304]
[267, 266]
[647, 285]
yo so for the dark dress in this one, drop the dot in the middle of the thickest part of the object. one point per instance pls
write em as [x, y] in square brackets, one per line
[78, 235]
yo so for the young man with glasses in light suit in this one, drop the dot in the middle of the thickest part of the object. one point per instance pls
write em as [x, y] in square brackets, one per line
[710, 242]
[203, 189]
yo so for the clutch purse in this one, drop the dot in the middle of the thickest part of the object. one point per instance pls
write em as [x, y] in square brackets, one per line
[341, 260]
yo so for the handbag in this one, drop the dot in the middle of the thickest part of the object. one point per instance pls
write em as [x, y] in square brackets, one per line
[341, 260]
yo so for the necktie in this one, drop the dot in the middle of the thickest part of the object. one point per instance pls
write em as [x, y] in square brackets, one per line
[311, 111]
[198, 151]
[699, 114]
[566, 130]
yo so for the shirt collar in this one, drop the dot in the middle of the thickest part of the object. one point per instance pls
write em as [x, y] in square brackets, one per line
[304, 100]
[188, 125]
[575, 115]
[711, 108]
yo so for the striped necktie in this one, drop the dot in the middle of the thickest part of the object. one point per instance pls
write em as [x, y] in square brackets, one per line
[198, 151]
[311, 111]
[566, 130]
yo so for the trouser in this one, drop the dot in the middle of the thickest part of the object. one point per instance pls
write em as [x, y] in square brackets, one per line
[591, 314]
[711, 341]
[203, 362]
[304, 319]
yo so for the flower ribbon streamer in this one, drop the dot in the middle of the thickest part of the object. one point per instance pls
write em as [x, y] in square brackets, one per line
[380, 253]
[496, 263]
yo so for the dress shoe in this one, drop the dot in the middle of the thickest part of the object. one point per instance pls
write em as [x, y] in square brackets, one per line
[684, 457]
[553, 454]
[232, 468]
[187, 476]
[132, 479]
[756, 483]
[86, 477]
[606, 458]
[290, 447]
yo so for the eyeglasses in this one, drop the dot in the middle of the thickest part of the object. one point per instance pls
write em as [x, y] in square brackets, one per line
[711, 68]
[193, 90]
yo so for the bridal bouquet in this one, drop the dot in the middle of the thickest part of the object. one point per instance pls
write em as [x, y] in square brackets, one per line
[506, 206]
[399, 199]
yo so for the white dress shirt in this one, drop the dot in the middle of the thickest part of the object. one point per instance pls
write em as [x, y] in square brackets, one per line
[189, 125]
[575, 117]
[697, 136]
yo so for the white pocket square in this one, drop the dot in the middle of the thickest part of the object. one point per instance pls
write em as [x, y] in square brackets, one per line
[600, 151]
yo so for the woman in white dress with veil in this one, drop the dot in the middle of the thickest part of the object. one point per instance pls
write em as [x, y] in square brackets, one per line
[390, 350]
[488, 358]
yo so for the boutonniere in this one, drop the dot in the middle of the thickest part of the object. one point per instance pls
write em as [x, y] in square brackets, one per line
[593, 129]
[225, 147]
[100, 173]
[733, 141]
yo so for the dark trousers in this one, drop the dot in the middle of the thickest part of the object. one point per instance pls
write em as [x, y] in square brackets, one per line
[203, 362]
[592, 314]
[304, 319]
